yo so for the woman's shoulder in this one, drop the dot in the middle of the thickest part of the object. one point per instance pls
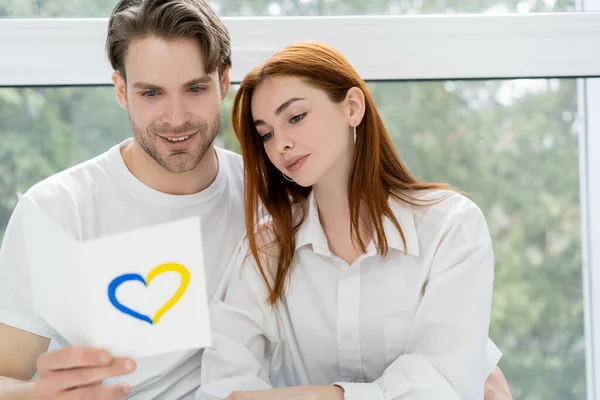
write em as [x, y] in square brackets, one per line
[446, 202]
[439, 212]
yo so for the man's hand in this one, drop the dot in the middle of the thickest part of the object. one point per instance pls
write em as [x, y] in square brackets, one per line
[77, 373]
[292, 393]
[496, 387]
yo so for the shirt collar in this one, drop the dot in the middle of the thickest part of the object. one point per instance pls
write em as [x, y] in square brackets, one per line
[311, 231]
[405, 216]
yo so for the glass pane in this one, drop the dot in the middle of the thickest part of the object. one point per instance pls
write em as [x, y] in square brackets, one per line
[102, 8]
[512, 146]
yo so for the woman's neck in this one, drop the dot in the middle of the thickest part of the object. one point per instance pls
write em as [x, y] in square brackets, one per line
[334, 215]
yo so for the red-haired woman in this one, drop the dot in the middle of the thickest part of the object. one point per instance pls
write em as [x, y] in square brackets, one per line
[363, 282]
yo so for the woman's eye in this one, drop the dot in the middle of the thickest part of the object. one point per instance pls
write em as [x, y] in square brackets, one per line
[297, 118]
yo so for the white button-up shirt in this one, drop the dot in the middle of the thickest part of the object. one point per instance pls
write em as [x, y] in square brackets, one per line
[410, 325]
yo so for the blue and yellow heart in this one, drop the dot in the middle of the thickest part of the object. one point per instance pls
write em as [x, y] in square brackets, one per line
[161, 269]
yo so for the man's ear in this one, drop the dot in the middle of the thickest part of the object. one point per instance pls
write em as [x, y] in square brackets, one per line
[225, 83]
[120, 89]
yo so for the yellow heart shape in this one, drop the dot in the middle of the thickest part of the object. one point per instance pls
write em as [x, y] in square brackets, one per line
[185, 280]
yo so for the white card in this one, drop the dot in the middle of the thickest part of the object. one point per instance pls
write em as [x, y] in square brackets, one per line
[109, 292]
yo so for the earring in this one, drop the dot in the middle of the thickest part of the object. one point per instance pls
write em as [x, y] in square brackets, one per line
[287, 178]
[354, 134]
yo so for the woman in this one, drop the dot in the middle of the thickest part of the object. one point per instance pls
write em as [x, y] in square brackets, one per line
[363, 282]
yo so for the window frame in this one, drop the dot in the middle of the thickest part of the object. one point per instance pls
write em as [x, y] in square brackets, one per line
[425, 47]
[65, 52]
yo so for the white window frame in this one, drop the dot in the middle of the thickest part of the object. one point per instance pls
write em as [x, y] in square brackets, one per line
[57, 52]
[589, 146]
[71, 51]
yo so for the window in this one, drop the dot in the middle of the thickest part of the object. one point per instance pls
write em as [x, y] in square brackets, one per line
[494, 104]
[511, 145]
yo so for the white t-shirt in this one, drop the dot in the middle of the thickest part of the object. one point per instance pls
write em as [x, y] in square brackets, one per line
[102, 197]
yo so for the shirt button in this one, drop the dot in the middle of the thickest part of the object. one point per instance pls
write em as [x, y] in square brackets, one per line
[348, 336]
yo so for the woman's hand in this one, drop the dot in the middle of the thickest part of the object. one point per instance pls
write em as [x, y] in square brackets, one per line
[496, 387]
[292, 393]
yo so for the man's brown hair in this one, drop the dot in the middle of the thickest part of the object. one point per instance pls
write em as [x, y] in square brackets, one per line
[170, 20]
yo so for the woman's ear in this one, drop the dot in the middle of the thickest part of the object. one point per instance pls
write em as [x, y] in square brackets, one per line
[355, 102]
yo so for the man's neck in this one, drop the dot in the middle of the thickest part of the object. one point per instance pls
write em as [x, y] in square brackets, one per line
[152, 174]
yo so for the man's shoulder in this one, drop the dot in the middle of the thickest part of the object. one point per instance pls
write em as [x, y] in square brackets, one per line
[68, 188]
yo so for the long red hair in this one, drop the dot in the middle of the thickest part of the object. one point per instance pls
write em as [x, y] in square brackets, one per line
[377, 171]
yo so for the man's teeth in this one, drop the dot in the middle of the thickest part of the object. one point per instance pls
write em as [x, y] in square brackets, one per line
[177, 139]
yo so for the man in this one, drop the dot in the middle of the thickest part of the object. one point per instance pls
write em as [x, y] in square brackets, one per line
[171, 60]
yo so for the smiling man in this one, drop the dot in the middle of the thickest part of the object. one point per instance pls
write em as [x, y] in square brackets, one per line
[171, 60]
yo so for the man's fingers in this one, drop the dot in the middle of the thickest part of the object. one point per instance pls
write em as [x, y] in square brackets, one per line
[69, 379]
[73, 357]
[97, 392]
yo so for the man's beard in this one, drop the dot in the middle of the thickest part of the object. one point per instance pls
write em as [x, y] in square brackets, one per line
[183, 160]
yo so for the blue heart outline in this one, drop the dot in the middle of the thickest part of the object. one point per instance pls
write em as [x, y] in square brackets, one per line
[112, 289]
